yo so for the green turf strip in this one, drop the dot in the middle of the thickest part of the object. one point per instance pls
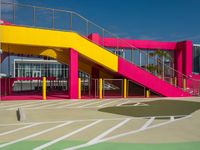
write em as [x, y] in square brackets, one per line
[29, 145]
[123, 146]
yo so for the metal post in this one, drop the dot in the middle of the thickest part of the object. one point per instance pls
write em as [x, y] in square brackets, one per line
[100, 88]
[70, 21]
[184, 84]
[79, 88]
[163, 68]
[147, 58]
[175, 81]
[140, 58]
[14, 13]
[87, 28]
[132, 55]
[34, 21]
[44, 90]
[147, 93]
[125, 88]
[103, 37]
[53, 11]
[156, 63]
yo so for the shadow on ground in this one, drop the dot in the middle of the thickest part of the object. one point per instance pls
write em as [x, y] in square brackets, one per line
[155, 108]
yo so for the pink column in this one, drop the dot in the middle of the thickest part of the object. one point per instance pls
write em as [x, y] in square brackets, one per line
[73, 74]
[183, 56]
[179, 63]
[187, 57]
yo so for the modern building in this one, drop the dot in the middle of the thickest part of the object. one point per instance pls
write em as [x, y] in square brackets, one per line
[110, 66]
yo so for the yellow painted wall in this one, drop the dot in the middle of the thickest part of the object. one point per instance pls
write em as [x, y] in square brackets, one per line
[58, 39]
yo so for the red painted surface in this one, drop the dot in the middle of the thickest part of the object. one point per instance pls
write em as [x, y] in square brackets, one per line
[148, 80]
[73, 74]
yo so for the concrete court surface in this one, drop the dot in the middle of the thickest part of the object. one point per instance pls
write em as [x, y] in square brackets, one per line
[138, 123]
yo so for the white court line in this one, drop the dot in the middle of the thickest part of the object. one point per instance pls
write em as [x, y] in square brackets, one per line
[35, 134]
[82, 120]
[67, 135]
[123, 103]
[143, 128]
[137, 104]
[99, 137]
[39, 103]
[19, 129]
[105, 104]
[25, 103]
[172, 118]
[147, 123]
[74, 103]
[58, 103]
[94, 102]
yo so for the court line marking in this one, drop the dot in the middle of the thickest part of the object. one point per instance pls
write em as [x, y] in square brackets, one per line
[172, 118]
[19, 129]
[148, 123]
[58, 103]
[137, 104]
[143, 128]
[67, 135]
[123, 103]
[99, 138]
[102, 105]
[80, 120]
[94, 102]
[15, 105]
[42, 102]
[65, 106]
[35, 134]
[102, 135]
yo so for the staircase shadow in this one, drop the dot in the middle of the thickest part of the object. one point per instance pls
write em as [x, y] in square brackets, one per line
[155, 108]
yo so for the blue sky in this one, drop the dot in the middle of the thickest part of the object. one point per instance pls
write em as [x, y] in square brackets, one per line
[165, 20]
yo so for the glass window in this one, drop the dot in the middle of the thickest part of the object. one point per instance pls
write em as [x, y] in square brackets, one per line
[196, 59]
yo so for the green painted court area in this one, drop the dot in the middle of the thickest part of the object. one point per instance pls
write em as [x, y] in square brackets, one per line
[26, 145]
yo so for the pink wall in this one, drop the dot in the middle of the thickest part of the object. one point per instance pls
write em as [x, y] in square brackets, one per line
[148, 80]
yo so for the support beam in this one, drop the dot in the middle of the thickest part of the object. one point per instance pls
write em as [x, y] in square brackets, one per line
[73, 74]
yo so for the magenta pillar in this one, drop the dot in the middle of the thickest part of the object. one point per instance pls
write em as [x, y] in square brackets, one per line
[179, 64]
[183, 58]
[73, 74]
[187, 58]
